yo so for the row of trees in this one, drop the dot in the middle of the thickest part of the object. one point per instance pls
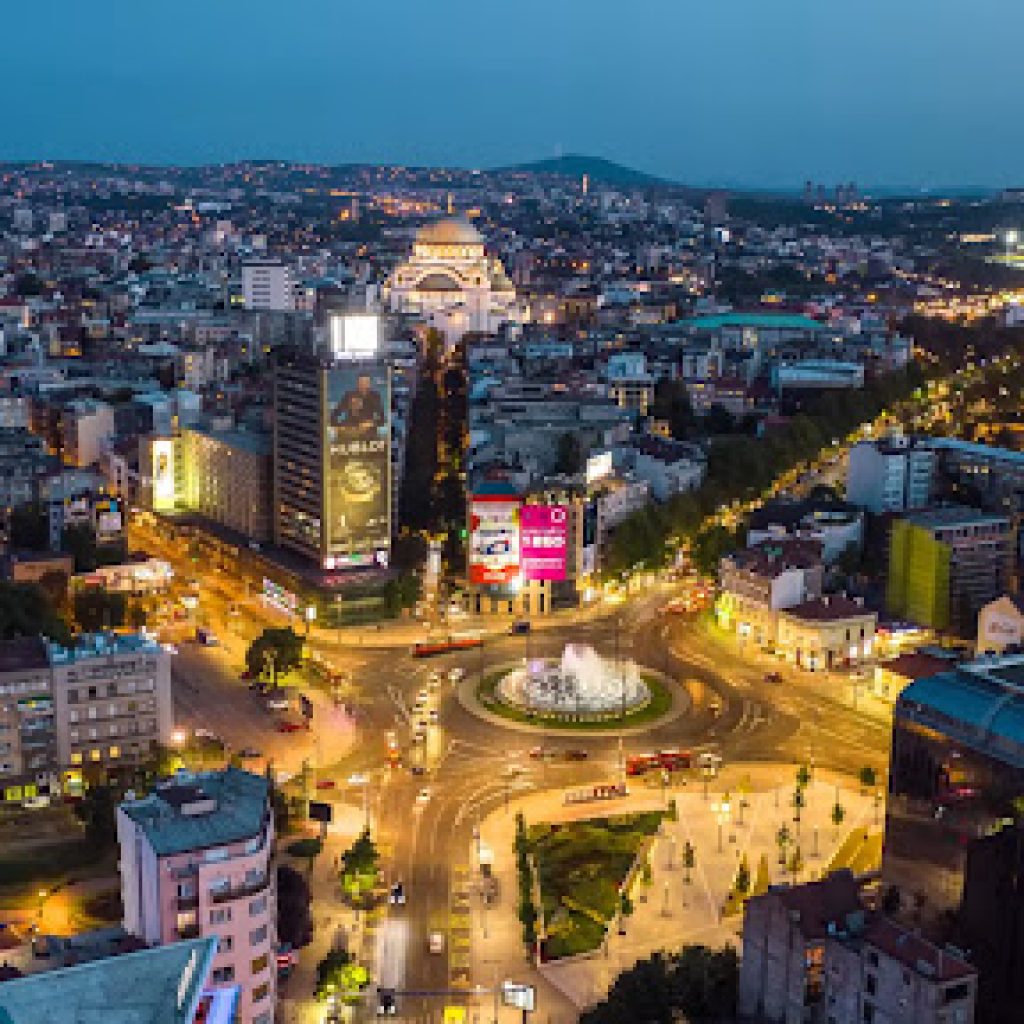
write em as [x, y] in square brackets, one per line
[740, 469]
[527, 910]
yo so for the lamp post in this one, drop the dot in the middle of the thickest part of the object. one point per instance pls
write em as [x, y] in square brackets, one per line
[721, 810]
[310, 616]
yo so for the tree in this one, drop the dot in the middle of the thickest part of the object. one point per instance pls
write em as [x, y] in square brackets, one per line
[26, 611]
[782, 840]
[569, 457]
[275, 650]
[796, 863]
[338, 973]
[719, 420]
[742, 884]
[689, 859]
[803, 776]
[79, 541]
[29, 528]
[95, 609]
[838, 814]
[96, 811]
[294, 919]
[868, 777]
[697, 984]
[359, 866]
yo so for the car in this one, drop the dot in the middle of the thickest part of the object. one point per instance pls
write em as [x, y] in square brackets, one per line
[421, 697]
[423, 796]
[418, 769]
[396, 896]
[358, 779]
[35, 802]
[435, 943]
[420, 736]
[257, 686]
[249, 752]
[246, 675]
[773, 677]
[289, 727]
[576, 754]
[456, 675]
[325, 784]
[278, 702]
[433, 715]
[537, 753]
[207, 734]
[520, 627]
[387, 1005]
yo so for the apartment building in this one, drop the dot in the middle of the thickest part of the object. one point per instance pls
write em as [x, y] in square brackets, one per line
[945, 564]
[758, 582]
[267, 285]
[28, 754]
[891, 475]
[195, 860]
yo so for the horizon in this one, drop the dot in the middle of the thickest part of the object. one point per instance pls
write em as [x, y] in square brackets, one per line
[745, 98]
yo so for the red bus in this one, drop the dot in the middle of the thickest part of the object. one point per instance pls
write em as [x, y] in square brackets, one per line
[641, 764]
[442, 645]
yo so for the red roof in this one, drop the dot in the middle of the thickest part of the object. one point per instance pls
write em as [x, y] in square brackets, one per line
[826, 609]
[916, 665]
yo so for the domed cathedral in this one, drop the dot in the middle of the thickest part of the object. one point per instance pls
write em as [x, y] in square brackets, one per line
[451, 282]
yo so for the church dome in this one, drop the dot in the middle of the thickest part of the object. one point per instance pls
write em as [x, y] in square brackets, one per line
[450, 231]
[437, 282]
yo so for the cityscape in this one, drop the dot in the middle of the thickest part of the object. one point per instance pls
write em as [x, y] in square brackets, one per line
[544, 591]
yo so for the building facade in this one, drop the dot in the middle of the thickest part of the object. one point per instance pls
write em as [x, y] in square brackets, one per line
[830, 632]
[892, 475]
[195, 861]
[267, 285]
[953, 856]
[945, 564]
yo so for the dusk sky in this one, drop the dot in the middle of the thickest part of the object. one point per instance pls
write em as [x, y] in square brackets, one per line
[894, 93]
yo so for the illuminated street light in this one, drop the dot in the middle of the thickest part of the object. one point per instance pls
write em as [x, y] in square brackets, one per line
[178, 737]
[721, 812]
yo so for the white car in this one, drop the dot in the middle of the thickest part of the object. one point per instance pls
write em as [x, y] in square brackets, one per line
[421, 697]
[433, 715]
[423, 797]
[456, 675]
[278, 702]
[435, 943]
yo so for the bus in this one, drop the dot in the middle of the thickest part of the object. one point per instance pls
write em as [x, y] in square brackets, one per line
[664, 760]
[444, 645]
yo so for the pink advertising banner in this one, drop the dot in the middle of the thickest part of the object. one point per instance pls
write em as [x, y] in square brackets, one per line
[544, 531]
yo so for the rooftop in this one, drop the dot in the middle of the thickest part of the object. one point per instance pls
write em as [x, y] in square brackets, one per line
[772, 557]
[952, 516]
[827, 609]
[449, 231]
[201, 810]
[816, 905]
[765, 321]
[980, 704]
[103, 645]
[154, 986]
[23, 653]
[915, 952]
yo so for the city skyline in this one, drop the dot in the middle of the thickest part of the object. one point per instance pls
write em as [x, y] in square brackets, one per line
[709, 99]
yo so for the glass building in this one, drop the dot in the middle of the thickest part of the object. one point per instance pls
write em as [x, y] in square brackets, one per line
[953, 862]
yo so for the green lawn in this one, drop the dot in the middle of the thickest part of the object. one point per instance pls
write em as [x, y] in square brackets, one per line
[581, 866]
[659, 704]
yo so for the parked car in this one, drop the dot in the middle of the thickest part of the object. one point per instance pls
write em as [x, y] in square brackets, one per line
[435, 943]
[289, 727]
[520, 626]
[773, 677]
[576, 754]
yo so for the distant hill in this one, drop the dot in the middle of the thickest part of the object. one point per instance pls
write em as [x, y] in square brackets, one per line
[573, 165]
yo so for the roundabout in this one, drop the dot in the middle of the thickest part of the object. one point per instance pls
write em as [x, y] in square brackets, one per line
[577, 693]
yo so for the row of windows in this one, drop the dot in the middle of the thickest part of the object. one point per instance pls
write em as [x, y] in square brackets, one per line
[130, 707]
[112, 690]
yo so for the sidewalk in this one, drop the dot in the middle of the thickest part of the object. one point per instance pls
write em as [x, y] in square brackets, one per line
[670, 912]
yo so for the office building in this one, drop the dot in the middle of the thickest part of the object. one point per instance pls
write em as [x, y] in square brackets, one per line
[332, 460]
[195, 861]
[150, 986]
[945, 564]
[891, 475]
[953, 856]
[267, 286]
[227, 478]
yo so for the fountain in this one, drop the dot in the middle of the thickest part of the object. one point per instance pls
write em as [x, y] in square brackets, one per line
[581, 684]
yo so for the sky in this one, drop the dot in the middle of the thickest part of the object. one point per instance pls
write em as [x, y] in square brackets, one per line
[734, 93]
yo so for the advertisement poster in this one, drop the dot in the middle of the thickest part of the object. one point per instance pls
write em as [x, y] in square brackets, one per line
[493, 539]
[545, 536]
[358, 445]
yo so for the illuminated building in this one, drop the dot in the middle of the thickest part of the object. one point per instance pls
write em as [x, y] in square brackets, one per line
[953, 856]
[451, 282]
[267, 285]
[332, 458]
[945, 564]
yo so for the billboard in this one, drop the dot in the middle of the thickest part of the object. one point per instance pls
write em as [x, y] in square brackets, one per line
[357, 475]
[493, 539]
[163, 473]
[544, 531]
[599, 466]
[354, 335]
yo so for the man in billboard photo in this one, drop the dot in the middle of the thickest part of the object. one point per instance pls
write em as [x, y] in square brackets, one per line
[360, 411]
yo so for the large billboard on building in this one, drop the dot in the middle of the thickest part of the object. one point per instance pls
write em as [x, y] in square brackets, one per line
[164, 492]
[544, 534]
[357, 475]
[493, 539]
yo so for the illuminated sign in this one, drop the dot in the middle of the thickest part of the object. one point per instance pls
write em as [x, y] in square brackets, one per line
[357, 424]
[164, 492]
[599, 466]
[544, 533]
[493, 539]
[354, 335]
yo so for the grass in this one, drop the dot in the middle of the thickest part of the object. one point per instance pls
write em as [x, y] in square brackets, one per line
[659, 704]
[50, 862]
[582, 865]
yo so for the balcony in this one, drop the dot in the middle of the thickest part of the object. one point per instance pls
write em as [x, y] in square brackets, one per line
[190, 931]
[239, 892]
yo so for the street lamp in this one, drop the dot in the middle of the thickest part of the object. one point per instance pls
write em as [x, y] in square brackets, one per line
[721, 811]
[310, 616]
[178, 737]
